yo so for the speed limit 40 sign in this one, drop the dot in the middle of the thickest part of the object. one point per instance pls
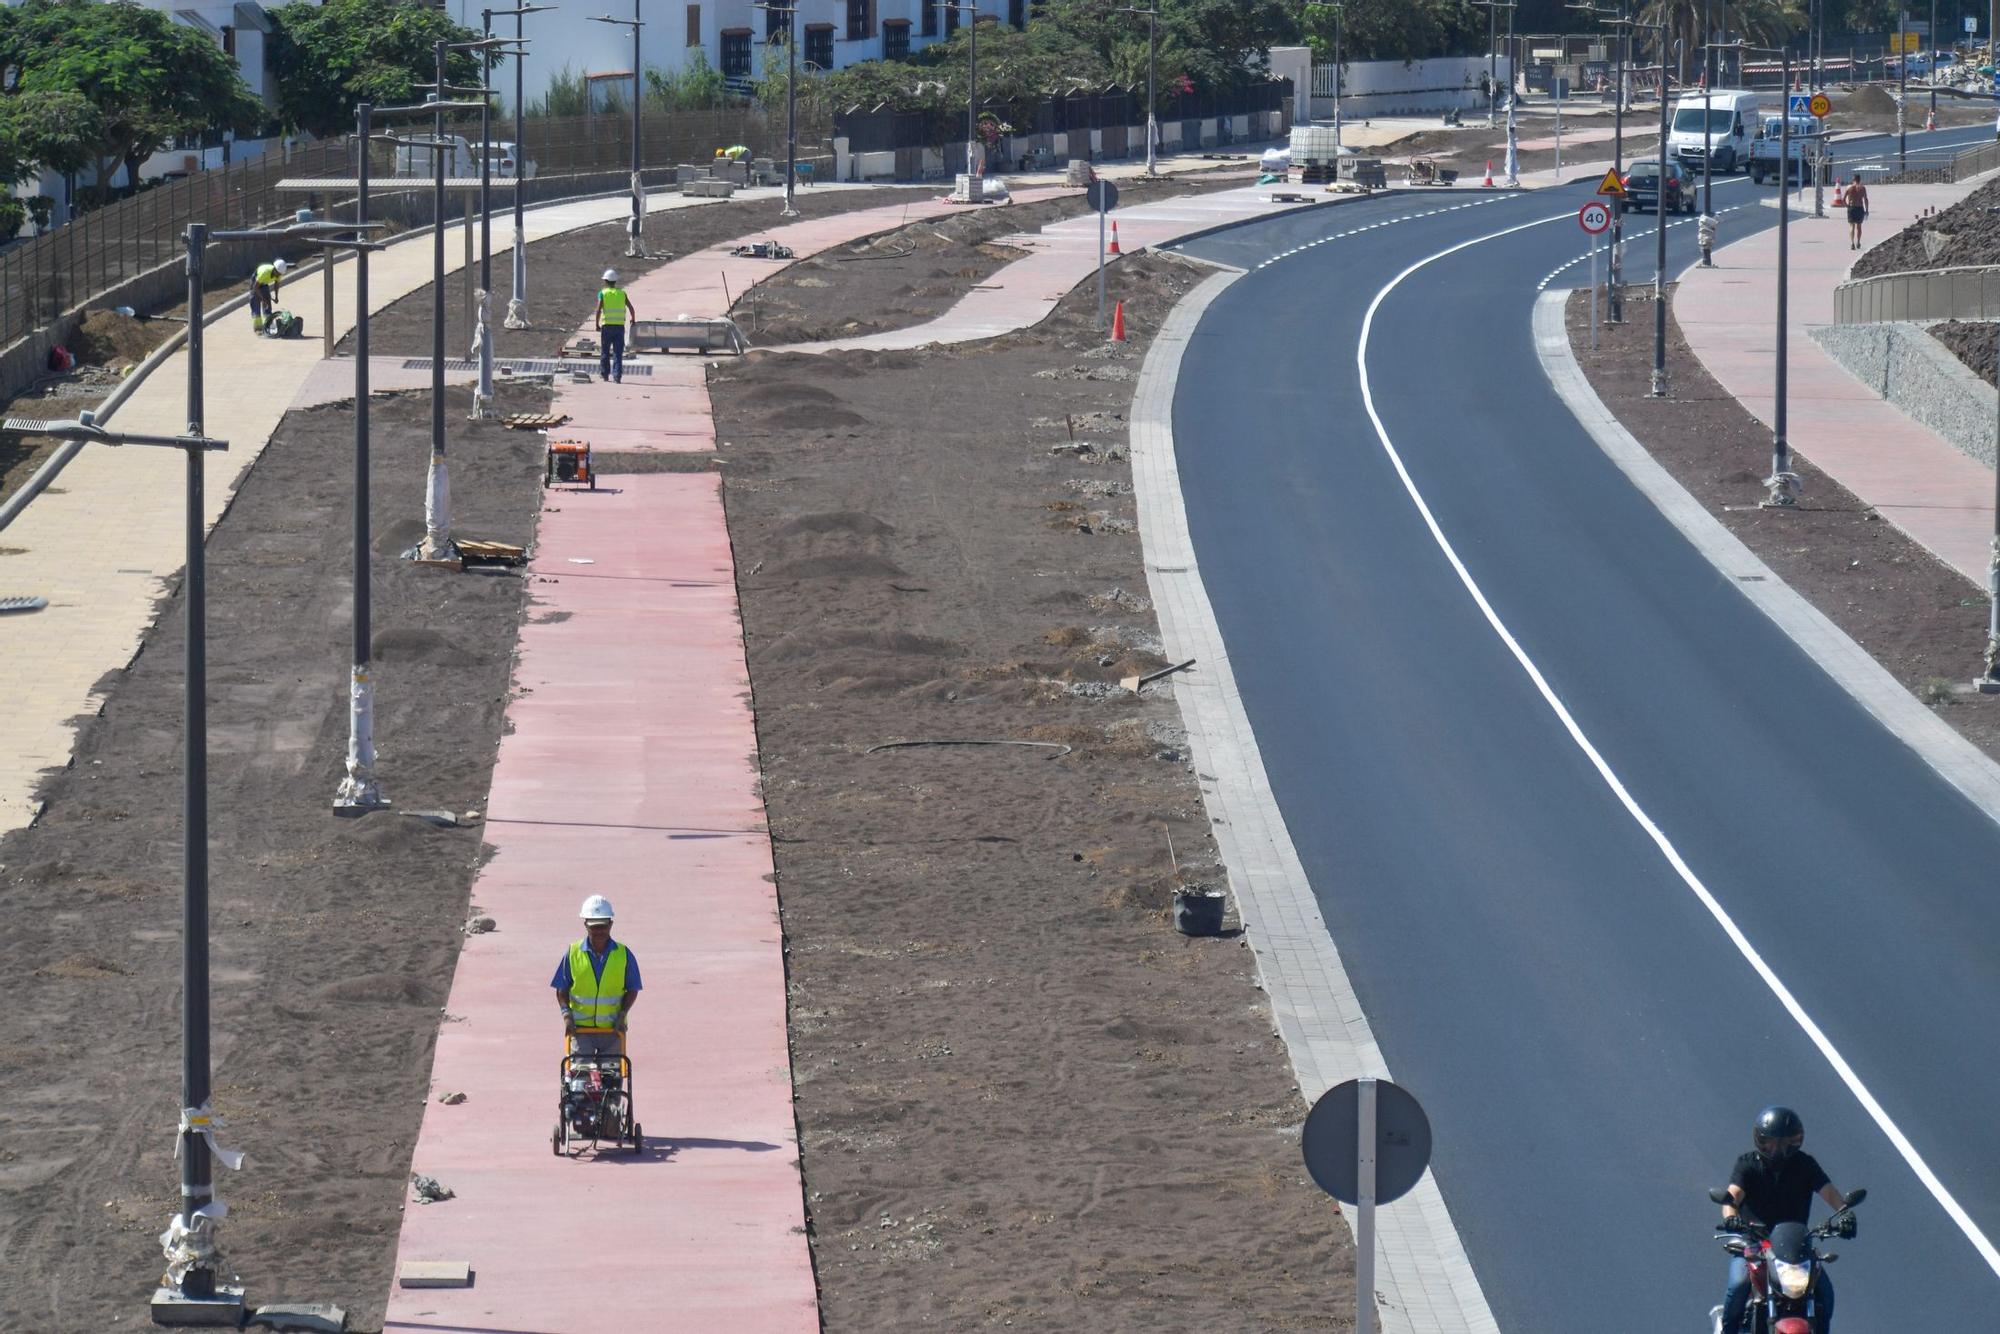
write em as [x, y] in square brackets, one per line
[1594, 217]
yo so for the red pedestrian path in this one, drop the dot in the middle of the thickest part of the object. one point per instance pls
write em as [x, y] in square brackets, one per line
[629, 770]
[1907, 473]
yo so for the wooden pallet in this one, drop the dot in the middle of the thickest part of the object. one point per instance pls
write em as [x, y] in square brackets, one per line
[535, 421]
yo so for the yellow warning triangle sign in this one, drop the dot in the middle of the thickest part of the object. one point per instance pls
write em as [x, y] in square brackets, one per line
[1611, 185]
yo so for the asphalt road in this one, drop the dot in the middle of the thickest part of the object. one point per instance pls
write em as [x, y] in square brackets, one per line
[1589, 1042]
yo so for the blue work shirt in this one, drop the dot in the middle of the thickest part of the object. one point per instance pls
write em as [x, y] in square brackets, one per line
[561, 981]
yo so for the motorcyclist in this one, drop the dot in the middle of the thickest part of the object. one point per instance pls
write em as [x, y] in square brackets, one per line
[1773, 1184]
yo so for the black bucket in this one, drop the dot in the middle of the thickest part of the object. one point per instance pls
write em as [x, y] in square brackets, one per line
[1198, 912]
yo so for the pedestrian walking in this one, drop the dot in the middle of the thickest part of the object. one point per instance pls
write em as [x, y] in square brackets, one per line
[1856, 196]
[614, 316]
[264, 292]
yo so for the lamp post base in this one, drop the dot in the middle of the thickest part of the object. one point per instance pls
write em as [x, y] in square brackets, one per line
[1784, 492]
[171, 1307]
[517, 314]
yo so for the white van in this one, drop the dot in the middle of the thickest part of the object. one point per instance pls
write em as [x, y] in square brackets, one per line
[460, 158]
[1732, 116]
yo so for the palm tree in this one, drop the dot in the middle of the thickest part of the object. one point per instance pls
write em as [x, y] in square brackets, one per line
[1759, 22]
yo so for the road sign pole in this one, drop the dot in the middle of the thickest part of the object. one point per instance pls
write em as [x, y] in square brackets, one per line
[1100, 263]
[1593, 291]
[1364, 1228]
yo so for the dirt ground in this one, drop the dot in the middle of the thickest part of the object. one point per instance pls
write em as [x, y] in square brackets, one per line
[918, 272]
[1969, 235]
[1023, 1097]
[1920, 619]
[106, 345]
[333, 940]
[564, 272]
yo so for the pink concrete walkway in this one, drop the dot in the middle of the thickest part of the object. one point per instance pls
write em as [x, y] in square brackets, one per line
[629, 770]
[663, 413]
[1911, 476]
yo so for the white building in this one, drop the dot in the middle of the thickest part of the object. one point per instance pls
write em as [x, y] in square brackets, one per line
[730, 34]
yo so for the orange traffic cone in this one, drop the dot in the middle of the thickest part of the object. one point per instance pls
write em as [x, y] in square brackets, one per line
[1114, 239]
[1838, 192]
[1930, 120]
[1118, 323]
[1487, 184]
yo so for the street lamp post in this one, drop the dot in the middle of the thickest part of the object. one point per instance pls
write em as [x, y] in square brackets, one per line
[636, 246]
[791, 13]
[1783, 484]
[975, 187]
[1707, 128]
[517, 302]
[1615, 304]
[1659, 382]
[1989, 682]
[1902, 92]
[1152, 65]
[193, 1257]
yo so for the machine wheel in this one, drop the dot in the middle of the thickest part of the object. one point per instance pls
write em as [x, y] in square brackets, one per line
[638, 1139]
[593, 481]
[1756, 175]
[555, 1141]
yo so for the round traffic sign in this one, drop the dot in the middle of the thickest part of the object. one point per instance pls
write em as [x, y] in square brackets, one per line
[1820, 105]
[1593, 217]
[1331, 1141]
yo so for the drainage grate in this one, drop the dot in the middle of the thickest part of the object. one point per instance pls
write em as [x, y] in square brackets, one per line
[521, 367]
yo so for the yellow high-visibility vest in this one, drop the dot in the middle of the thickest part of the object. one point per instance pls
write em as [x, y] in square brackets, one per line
[267, 275]
[612, 299]
[594, 1000]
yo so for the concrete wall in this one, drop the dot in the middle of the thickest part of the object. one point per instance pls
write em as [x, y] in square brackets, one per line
[1392, 88]
[1921, 377]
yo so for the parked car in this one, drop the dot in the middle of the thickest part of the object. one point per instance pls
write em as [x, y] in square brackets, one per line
[1764, 150]
[1645, 180]
[505, 159]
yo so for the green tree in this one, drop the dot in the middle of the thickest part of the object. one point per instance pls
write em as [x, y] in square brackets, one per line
[151, 80]
[696, 88]
[55, 131]
[566, 96]
[1397, 29]
[329, 56]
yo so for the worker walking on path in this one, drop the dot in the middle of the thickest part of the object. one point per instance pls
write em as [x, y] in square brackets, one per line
[614, 316]
[264, 292]
[596, 984]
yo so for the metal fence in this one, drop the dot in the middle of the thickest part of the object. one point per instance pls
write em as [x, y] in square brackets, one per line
[1116, 107]
[1968, 293]
[57, 272]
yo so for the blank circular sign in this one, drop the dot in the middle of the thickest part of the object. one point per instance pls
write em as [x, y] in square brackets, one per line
[1331, 1141]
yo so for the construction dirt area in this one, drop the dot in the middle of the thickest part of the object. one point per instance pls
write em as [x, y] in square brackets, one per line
[1919, 618]
[1024, 1100]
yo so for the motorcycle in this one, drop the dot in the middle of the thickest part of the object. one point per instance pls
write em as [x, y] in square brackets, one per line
[1784, 1266]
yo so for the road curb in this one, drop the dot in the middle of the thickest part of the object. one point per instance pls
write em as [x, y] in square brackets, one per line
[1955, 759]
[1425, 1281]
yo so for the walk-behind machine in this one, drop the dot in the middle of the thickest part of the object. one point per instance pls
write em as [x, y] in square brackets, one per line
[569, 462]
[595, 1099]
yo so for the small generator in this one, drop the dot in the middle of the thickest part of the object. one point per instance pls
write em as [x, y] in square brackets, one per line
[284, 324]
[568, 462]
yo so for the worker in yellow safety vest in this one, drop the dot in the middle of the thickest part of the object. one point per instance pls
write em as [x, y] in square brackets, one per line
[596, 984]
[614, 316]
[264, 292]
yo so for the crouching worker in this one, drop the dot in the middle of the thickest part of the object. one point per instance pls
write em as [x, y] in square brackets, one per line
[596, 984]
[264, 292]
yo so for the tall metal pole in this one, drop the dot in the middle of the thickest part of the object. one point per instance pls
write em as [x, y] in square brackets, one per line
[1492, 63]
[486, 155]
[197, 1169]
[1902, 91]
[1782, 483]
[359, 790]
[1152, 95]
[1707, 115]
[517, 301]
[791, 107]
[1932, 71]
[638, 246]
[972, 97]
[1615, 305]
[1339, 21]
[1990, 682]
[437, 544]
[1513, 80]
[1660, 237]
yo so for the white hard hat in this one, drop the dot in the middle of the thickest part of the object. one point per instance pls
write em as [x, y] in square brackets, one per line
[611, 275]
[282, 265]
[596, 908]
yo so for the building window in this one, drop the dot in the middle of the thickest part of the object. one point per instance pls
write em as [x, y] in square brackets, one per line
[950, 20]
[774, 24]
[860, 20]
[694, 25]
[1017, 13]
[930, 18]
[896, 41]
[819, 45]
[736, 54]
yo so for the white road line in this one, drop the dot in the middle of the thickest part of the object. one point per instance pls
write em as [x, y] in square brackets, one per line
[1673, 857]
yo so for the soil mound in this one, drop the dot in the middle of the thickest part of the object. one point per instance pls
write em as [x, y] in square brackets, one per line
[838, 521]
[1870, 100]
[106, 338]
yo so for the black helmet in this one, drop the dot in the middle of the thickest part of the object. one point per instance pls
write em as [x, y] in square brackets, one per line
[1777, 1133]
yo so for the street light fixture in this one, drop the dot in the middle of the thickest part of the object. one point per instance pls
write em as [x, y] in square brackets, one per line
[791, 13]
[482, 333]
[636, 247]
[1659, 384]
[974, 160]
[517, 301]
[1783, 484]
[1615, 311]
[1152, 65]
